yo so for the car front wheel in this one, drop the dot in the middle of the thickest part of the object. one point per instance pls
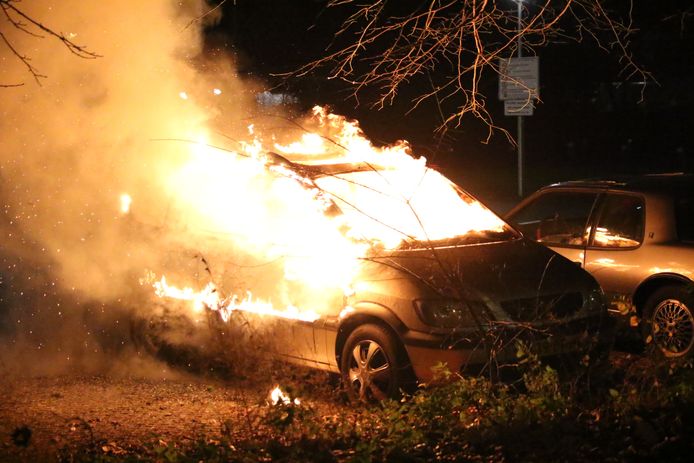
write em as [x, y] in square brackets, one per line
[669, 321]
[373, 365]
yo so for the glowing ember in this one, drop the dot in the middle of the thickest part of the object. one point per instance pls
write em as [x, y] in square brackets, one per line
[125, 202]
[217, 91]
[277, 396]
[183, 95]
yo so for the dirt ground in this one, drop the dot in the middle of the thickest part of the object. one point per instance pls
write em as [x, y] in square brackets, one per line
[49, 418]
[113, 414]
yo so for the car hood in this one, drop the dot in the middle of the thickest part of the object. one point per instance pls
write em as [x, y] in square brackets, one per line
[516, 279]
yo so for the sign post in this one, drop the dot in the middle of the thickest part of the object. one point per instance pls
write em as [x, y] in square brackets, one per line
[519, 83]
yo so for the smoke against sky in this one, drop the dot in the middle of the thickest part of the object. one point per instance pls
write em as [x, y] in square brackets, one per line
[73, 144]
[90, 131]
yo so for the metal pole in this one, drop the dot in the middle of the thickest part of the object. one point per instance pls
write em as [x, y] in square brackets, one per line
[519, 136]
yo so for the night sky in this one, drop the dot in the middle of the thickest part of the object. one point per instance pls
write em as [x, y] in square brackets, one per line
[590, 121]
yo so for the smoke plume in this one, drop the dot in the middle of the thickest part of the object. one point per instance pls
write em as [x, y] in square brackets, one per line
[72, 146]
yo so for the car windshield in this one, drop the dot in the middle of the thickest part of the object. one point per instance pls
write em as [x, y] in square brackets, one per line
[404, 209]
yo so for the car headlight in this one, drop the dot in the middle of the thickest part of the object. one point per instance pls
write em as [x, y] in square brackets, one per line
[444, 313]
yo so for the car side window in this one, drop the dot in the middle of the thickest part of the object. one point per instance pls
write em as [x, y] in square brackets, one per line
[557, 217]
[621, 222]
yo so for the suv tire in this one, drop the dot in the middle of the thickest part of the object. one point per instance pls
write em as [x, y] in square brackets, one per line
[373, 365]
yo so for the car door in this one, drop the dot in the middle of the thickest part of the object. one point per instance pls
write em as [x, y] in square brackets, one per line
[268, 313]
[558, 218]
[614, 255]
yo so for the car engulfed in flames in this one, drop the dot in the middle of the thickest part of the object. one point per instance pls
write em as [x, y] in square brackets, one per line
[371, 264]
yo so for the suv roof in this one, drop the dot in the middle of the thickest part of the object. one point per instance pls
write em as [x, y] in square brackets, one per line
[669, 182]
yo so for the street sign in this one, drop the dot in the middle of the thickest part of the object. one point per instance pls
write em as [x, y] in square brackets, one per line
[519, 107]
[519, 78]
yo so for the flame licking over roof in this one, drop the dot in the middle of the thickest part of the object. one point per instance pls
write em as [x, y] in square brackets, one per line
[283, 207]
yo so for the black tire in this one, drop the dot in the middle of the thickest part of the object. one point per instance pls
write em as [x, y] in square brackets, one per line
[373, 365]
[668, 321]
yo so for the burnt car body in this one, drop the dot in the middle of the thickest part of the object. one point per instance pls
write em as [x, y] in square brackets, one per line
[464, 301]
[635, 235]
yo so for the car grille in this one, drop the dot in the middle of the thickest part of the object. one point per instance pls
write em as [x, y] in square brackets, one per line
[544, 307]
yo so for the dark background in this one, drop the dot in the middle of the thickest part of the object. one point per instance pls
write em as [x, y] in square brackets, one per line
[592, 121]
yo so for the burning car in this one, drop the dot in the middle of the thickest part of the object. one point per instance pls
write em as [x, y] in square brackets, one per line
[410, 272]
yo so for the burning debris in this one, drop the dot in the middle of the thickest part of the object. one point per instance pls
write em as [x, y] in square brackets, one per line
[278, 397]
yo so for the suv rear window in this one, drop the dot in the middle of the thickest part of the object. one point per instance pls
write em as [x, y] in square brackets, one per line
[621, 222]
[684, 213]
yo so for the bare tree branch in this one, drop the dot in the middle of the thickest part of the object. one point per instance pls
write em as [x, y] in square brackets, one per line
[682, 17]
[21, 21]
[212, 10]
[453, 44]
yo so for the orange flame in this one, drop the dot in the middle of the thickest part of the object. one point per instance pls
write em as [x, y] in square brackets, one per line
[277, 396]
[273, 211]
[209, 298]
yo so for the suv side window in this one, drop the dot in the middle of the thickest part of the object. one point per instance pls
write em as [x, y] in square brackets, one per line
[621, 222]
[557, 217]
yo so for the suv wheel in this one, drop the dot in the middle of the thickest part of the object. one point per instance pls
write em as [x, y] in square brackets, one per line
[669, 321]
[373, 365]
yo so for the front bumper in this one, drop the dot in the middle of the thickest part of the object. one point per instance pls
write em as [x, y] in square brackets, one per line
[497, 346]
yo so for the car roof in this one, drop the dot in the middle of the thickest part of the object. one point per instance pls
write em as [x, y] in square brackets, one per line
[655, 183]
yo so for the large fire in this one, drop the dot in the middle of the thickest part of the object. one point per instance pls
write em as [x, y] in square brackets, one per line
[282, 207]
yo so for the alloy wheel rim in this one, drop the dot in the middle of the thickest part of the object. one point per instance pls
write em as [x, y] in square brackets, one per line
[370, 373]
[673, 327]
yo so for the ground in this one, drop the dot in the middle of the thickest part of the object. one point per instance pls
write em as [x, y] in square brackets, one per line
[118, 413]
[170, 415]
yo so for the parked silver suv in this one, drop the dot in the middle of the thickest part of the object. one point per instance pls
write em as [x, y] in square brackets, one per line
[636, 237]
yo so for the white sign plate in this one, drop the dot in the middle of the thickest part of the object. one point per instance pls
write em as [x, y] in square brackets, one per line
[522, 107]
[519, 78]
